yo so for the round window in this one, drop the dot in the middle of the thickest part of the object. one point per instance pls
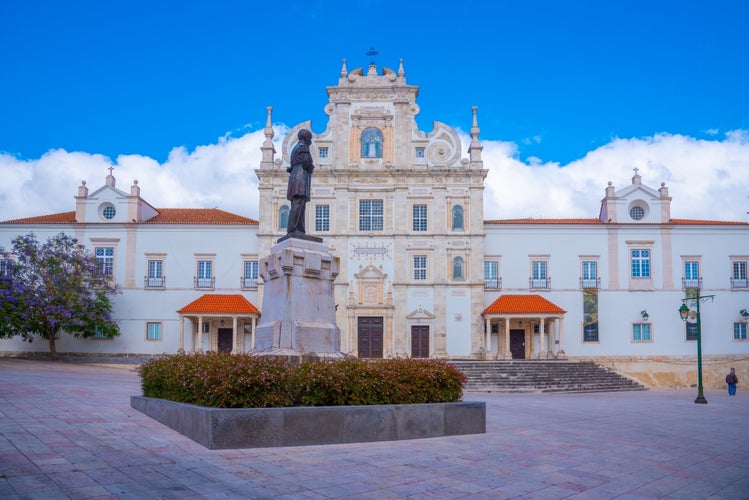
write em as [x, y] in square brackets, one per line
[109, 212]
[637, 213]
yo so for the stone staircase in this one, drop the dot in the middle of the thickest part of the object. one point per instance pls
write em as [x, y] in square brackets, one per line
[543, 376]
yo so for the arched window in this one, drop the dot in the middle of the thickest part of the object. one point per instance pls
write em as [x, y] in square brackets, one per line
[283, 217]
[459, 272]
[371, 143]
[458, 218]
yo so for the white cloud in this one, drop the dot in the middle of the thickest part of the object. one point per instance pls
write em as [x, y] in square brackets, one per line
[708, 179]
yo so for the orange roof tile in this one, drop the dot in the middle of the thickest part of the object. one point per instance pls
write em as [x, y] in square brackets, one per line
[684, 222]
[696, 222]
[523, 304]
[219, 304]
[165, 216]
[543, 221]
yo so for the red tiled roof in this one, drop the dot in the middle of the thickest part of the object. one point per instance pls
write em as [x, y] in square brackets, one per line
[543, 221]
[523, 304]
[676, 222]
[219, 304]
[696, 222]
[165, 216]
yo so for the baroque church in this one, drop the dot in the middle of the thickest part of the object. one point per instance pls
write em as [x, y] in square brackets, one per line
[422, 273]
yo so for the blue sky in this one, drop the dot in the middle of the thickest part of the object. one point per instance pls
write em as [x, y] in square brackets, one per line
[554, 81]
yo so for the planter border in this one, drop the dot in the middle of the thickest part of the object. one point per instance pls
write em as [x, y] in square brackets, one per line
[231, 428]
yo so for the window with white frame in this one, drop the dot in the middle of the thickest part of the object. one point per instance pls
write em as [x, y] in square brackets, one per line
[691, 274]
[204, 276]
[420, 155]
[539, 276]
[370, 215]
[738, 274]
[641, 332]
[105, 260]
[322, 217]
[249, 279]
[155, 277]
[419, 217]
[153, 330]
[640, 260]
[491, 274]
[589, 278]
[739, 330]
[420, 267]
[6, 268]
[323, 153]
[459, 268]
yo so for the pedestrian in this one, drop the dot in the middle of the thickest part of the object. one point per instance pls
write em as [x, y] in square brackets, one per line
[732, 380]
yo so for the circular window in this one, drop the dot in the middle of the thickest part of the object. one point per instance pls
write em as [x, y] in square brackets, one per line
[108, 212]
[637, 213]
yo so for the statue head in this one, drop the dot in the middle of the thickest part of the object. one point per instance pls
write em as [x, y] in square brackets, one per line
[305, 136]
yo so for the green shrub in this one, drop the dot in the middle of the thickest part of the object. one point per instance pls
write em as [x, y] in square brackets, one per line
[224, 380]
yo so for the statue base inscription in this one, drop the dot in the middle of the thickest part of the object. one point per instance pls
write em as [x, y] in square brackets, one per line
[298, 311]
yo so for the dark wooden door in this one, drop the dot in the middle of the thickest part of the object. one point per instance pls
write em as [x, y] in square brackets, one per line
[517, 344]
[420, 341]
[369, 334]
[225, 339]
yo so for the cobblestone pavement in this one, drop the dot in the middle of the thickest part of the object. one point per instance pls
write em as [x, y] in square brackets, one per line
[67, 431]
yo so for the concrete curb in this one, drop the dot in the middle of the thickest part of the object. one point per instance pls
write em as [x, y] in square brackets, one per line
[231, 428]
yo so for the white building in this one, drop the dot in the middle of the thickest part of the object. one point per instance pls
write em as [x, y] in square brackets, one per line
[422, 273]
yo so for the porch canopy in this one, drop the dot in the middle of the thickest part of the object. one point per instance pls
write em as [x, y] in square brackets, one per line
[512, 310]
[218, 307]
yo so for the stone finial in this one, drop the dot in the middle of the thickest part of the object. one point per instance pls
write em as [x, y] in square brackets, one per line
[474, 150]
[610, 191]
[636, 179]
[267, 148]
[135, 189]
[110, 177]
[82, 190]
[344, 71]
[401, 71]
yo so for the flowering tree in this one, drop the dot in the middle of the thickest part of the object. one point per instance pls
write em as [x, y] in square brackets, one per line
[51, 288]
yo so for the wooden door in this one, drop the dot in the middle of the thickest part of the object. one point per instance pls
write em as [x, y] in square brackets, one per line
[420, 341]
[225, 341]
[517, 344]
[369, 335]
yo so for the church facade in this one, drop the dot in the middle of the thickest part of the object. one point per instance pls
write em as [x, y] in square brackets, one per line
[422, 273]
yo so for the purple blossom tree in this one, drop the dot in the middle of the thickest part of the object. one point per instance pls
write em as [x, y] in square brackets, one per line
[52, 288]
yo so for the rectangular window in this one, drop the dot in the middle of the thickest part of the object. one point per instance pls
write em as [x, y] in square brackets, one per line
[691, 274]
[205, 274]
[419, 213]
[322, 218]
[155, 274]
[419, 153]
[540, 277]
[105, 260]
[640, 263]
[6, 267]
[590, 274]
[323, 153]
[738, 274]
[249, 280]
[739, 330]
[153, 331]
[641, 332]
[491, 274]
[370, 215]
[420, 267]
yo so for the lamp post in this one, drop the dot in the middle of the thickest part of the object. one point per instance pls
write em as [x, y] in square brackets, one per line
[684, 314]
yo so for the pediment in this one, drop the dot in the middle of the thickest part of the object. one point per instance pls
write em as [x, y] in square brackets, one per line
[420, 313]
[370, 273]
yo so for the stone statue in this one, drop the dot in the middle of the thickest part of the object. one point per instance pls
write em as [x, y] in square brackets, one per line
[300, 178]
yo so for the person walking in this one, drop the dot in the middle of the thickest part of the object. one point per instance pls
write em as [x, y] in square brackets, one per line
[732, 380]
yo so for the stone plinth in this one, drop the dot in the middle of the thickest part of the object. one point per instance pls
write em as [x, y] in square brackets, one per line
[298, 311]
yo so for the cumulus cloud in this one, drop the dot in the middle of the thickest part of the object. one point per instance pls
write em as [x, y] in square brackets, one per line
[708, 179]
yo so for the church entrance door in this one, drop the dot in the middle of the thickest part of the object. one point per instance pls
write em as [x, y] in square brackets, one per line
[517, 344]
[225, 339]
[420, 341]
[369, 334]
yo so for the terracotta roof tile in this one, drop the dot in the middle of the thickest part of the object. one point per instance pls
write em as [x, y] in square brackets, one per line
[675, 222]
[219, 304]
[165, 216]
[543, 221]
[523, 304]
[696, 222]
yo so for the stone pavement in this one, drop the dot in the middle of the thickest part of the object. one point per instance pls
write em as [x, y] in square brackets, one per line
[67, 431]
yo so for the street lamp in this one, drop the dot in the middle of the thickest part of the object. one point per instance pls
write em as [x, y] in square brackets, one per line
[684, 314]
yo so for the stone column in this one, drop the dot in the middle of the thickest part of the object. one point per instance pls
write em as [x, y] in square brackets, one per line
[234, 346]
[561, 353]
[507, 338]
[199, 347]
[542, 338]
[181, 333]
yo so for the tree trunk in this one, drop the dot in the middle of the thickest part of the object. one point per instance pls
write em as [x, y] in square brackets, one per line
[52, 348]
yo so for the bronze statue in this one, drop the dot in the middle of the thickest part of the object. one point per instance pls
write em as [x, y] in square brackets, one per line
[300, 178]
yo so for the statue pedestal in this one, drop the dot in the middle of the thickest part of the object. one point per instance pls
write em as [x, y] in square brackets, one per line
[298, 312]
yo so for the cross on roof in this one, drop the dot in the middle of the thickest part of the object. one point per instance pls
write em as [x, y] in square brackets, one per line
[372, 53]
[636, 170]
[111, 169]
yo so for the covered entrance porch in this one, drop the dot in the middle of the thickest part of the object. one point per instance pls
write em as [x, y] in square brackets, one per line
[218, 322]
[523, 327]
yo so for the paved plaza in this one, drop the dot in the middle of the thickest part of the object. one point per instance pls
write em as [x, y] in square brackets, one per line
[67, 431]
